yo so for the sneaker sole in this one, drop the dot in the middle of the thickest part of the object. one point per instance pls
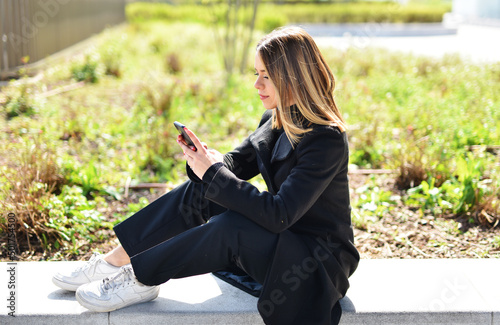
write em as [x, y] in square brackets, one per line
[65, 285]
[74, 286]
[102, 309]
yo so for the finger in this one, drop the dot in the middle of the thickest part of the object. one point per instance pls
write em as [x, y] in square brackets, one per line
[184, 147]
[204, 145]
[181, 143]
[189, 159]
[181, 140]
[196, 141]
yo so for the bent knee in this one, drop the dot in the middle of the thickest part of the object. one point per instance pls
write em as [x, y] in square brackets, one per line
[231, 220]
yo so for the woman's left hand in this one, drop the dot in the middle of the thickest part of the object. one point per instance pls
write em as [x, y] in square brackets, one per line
[201, 159]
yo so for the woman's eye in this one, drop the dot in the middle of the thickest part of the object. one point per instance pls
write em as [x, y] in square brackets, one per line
[257, 74]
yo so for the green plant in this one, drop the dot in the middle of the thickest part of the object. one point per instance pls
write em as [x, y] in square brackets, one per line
[428, 197]
[87, 177]
[374, 201]
[20, 100]
[110, 56]
[86, 71]
[496, 242]
[74, 219]
[19, 104]
[131, 209]
[360, 220]
[461, 195]
[469, 171]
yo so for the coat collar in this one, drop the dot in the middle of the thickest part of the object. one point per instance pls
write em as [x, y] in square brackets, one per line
[263, 140]
[282, 149]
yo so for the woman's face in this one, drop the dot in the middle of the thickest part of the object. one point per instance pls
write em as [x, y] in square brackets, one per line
[266, 90]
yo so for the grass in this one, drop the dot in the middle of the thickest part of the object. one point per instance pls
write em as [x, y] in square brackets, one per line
[72, 153]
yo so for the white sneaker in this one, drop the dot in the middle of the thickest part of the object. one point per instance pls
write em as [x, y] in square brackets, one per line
[118, 291]
[95, 269]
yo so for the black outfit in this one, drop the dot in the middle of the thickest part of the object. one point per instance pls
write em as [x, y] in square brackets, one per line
[295, 239]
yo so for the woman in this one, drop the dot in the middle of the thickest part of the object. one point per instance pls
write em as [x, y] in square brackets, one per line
[295, 239]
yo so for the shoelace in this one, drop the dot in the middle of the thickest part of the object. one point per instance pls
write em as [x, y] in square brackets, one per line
[87, 265]
[125, 275]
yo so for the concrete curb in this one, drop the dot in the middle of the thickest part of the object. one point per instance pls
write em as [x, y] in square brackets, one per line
[448, 291]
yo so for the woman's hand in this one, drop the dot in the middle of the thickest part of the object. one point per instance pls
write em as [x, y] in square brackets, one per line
[201, 159]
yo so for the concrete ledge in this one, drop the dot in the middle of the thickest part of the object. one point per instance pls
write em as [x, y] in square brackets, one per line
[462, 291]
[379, 29]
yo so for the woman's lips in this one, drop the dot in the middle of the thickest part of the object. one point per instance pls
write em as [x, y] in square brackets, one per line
[262, 97]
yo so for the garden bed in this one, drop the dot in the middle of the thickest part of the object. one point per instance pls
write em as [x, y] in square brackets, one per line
[73, 135]
[402, 233]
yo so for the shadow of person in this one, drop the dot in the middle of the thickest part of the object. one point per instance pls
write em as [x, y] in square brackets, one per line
[62, 294]
[347, 305]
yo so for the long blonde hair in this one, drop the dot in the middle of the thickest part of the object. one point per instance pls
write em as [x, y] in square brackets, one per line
[300, 75]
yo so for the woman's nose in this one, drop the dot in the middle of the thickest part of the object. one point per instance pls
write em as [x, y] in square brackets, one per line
[257, 84]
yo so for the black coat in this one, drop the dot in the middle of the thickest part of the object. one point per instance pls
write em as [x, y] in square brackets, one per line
[307, 204]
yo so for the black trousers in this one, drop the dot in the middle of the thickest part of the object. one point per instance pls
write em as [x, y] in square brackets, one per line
[183, 234]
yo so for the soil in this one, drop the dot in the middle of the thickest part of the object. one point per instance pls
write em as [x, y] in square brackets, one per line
[408, 233]
[400, 233]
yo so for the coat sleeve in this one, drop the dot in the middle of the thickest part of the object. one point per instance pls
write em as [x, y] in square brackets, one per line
[241, 161]
[319, 158]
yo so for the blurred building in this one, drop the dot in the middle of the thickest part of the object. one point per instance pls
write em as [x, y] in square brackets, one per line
[37, 29]
[475, 11]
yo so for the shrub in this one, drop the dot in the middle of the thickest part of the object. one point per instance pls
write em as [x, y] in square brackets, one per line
[86, 71]
[49, 214]
[20, 99]
[19, 103]
[110, 57]
[271, 16]
[465, 194]
[30, 176]
[270, 20]
[411, 159]
[173, 63]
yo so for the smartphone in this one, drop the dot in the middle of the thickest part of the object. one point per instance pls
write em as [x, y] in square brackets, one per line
[180, 127]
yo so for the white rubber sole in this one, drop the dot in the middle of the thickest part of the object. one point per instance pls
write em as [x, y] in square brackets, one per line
[101, 308]
[65, 285]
